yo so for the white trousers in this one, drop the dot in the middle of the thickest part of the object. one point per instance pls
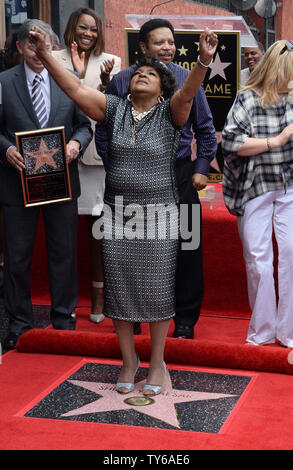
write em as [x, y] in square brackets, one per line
[270, 319]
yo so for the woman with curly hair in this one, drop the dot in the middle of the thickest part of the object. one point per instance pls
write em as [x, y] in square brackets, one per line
[144, 133]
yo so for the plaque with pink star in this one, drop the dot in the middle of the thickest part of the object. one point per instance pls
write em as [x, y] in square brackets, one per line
[45, 179]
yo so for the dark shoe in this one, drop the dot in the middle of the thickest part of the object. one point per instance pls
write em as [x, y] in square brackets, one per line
[136, 328]
[61, 321]
[10, 341]
[183, 331]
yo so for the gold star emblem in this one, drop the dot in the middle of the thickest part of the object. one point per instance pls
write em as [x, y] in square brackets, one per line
[182, 50]
[43, 156]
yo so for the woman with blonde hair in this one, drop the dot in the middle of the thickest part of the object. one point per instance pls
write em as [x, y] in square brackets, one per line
[258, 188]
[85, 54]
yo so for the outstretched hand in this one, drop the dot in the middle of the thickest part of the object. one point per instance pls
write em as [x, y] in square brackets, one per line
[207, 45]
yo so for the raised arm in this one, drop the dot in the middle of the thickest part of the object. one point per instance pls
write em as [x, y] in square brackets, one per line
[91, 101]
[181, 101]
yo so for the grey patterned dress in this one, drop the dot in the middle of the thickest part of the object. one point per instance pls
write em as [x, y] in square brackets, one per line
[140, 220]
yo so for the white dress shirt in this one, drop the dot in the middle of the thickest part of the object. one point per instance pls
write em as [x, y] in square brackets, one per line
[45, 85]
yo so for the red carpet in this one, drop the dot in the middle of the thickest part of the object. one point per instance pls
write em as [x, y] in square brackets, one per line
[94, 341]
[262, 418]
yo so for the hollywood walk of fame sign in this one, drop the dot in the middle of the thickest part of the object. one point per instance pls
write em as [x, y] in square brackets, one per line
[220, 84]
[45, 179]
[190, 401]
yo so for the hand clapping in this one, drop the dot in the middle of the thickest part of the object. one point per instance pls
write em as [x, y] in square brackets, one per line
[106, 69]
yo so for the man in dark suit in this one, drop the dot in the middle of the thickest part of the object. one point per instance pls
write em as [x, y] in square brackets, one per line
[19, 88]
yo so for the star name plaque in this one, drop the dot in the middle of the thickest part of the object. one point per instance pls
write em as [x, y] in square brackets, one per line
[45, 179]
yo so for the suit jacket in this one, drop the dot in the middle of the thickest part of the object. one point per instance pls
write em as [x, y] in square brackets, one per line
[92, 80]
[17, 114]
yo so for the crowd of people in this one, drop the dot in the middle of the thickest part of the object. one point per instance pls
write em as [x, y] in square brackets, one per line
[128, 143]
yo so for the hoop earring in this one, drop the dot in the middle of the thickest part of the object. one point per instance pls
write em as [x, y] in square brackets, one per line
[129, 97]
[161, 99]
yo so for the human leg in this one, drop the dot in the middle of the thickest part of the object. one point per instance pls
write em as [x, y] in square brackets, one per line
[96, 314]
[189, 273]
[255, 230]
[156, 375]
[90, 204]
[283, 227]
[1, 237]
[124, 332]
[20, 226]
[1, 253]
[61, 237]
[189, 290]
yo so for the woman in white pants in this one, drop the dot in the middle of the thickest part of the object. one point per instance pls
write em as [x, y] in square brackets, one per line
[258, 188]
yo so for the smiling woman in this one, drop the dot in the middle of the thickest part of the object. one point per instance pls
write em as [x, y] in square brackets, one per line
[86, 33]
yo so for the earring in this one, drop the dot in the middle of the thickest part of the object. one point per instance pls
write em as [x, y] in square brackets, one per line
[161, 99]
[129, 97]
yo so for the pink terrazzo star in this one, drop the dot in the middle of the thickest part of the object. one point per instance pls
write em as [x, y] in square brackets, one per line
[43, 155]
[161, 406]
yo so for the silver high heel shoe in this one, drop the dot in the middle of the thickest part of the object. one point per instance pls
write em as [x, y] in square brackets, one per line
[128, 385]
[155, 389]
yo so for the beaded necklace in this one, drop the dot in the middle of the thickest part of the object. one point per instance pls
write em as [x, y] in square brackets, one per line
[137, 116]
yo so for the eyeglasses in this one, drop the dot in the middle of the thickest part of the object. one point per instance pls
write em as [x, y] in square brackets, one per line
[288, 47]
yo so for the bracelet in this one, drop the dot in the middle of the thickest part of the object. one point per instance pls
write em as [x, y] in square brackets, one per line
[269, 144]
[202, 64]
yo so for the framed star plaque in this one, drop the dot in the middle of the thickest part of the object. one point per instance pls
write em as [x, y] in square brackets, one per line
[45, 179]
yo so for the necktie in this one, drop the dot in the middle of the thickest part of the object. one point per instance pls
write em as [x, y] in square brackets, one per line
[38, 100]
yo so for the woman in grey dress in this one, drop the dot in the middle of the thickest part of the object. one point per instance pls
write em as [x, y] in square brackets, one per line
[139, 256]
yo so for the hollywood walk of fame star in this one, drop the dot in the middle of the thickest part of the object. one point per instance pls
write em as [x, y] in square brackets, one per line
[182, 50]
[160, 406]
[217, 67]
[43, 156]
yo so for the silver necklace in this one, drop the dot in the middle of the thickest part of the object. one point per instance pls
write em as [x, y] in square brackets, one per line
[137, 116]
